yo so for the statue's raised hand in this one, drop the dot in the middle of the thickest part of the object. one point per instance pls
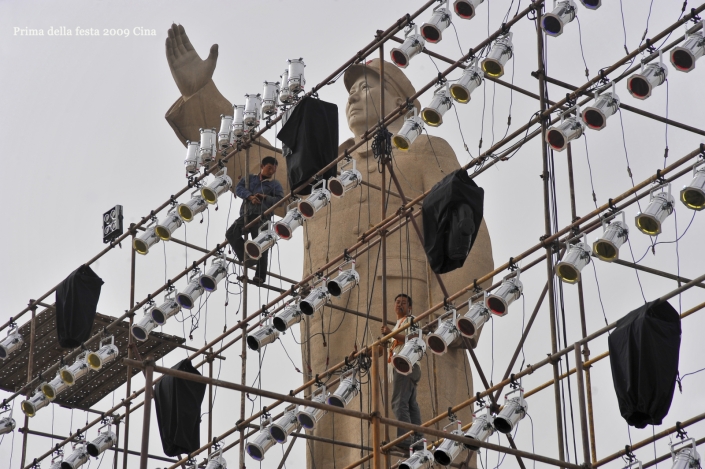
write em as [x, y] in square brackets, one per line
[190, 72]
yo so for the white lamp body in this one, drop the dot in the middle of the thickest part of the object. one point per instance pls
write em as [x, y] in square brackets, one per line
[614, 235]
[422, 459]
[265, 335]
[513, 411]
[432, 30]
[554, 22]
[270, 95]
[146, 240]
[559, 136]
[574, 260]
[466, 9]
[7, 424]
[410, 131]
[216, 461]
[315, 300]
[660, 207]
[285, 426]
[54, 387]
[104, 441]
[693, 195]
[480, 430]
[101, 357]
[474, 319]
[446, 333]
[348, 389]
[238, 120]
[216, 188]
[260, 445]
[501, 52]
[412, 46]
[296, 78]
[193, 159]
[187, 298]
[213, 276]
[10, 343]
[318, 199]
[253, 109]
[287, 317]
[141, 329]
[440, 104]
[285, 96]
[31, 406]
[508, 291]
[166, 228]
[163, 312]
[78, 458]
[447, 451]
[207, 149]
[344, 282]
[347, 181]
[73, 373]
[683, 57]
[641, 85]
[264, 241]
[190, 209]
[595, 116]
[225, 134]
[309, 416]
[412, 352]
[462, 89]
[286, 226]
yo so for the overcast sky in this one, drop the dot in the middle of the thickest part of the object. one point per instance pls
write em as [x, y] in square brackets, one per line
[82, 129]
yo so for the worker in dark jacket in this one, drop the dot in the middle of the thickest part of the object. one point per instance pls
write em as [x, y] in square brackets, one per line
[259, 193]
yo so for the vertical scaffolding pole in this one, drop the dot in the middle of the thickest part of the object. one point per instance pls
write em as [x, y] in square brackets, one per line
[210, 399]
[128, 402]
[376, 443]
[144, 453]
[243, 355]
[30, 365]
[581, 402]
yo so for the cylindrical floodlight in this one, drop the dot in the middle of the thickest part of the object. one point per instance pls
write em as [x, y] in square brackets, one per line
[509, 290]
[262, 442]
[685, 458]
[422, 459]
[216, 460]
[344, 282]
[472, 321]
[269, 98]
[296, 78]
[347, 181]
[55, 465]
[54, 387]
[216, 188]
[7, 424]
[412, 128]
[141, 329]
[440, 104]
[447, 451]
[466, 84]
[253, 109]
[225, 135]
[73, 373]
[165, 229]
[640, 85]
[514, 410]
[693, 195]
[207, 149]
[444, 335]
[595, 116]
[285, 426]
[218, 271]
[413, 350]
[614, 234]
[480, 430]
[659, 208]
[554, 22]
[346, 392]
[30, 407]
[287, 317]
[412, 46]
[101, 357]
[262, 243]
[683, 57]
[315, 300]
[104, 441]
[78, 458]
[187, 298]
[318, 199]
[190, 209]
[569, 129]
[309, 416]
[286, 226]
[10, 343]
[193, 160]
[465, 9]
[161, 313]
[146, 240]
[238, 120]
[432, 30]
[285, 96]
[574, 260]
[591, 4]
[501, 52]
[263, 336]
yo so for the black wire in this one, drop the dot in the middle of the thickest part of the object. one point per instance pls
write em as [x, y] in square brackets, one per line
[582, 53]
[667, 242]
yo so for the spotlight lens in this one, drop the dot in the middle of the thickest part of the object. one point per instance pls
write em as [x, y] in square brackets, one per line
[492, 68]
[594, 119]
[28, 409]
[306, 308]
[437, 345]
[185, 213]
[3, 353]
[209, 196]
[255, 452]
[460, 94]
[556, 139]
[48, 392]
[431, 34]
[400, 143]
[496, 305]
[466, 327]
[401, 365]
[278, 435]
[139, 333]
[431, 117]
[158, 316]
[163, 233]
[306, 421]
[208, 284]
[140, 246]
[252, 343]
[692, 198]
[93, 360]
[335, 400]
[605, 251]
[67, 377]
[465, 11]
[279, 325]
[92, 450]
[551, 25]
[682, 60]
[252, 250]
[442, 458]
[648, 225]
[568, 273]
[336, 188]
[399, 58]
[306, 209]
[334, 289]
[184, 301]
[502, 425]
[639, 87]
[283, 231]
[591, 3]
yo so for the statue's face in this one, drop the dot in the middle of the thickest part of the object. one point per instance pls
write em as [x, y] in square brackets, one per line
[362, 108]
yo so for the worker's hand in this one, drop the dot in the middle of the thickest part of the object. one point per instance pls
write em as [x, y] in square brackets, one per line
[260, 196]
[386, 330]
[190, 72]
[253, 199]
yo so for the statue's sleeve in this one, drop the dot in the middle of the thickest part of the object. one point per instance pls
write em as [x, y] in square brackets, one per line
[201, 110]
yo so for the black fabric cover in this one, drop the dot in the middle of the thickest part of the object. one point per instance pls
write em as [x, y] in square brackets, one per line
[76, 302]
[310, 138]
[452, 213]
[644, 356]
[178, 403]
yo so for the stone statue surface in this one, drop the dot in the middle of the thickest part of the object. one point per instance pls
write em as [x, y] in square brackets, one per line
[328, 337]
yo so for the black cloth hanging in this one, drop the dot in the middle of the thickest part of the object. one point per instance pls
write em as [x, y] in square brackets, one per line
[76, 302]
[644, 352]
[310, 138]
[178, 404]
[452, 214]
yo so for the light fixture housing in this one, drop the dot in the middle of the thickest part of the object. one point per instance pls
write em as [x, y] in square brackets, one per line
[225, 134]
[614, 234]
[78, 458]
[10, 343]
[471, 322]
[7, 424]
[296, 78]
[481, 429]
[445, 334]
[146, 240]
[78, 370]
[164, 311]
[344, 282]
[605, 105]
[238, 120]
[554, 22]
[347, 181]
[410, 130]
[253, 110]
[264, 241]
[287, 317]
[421, 459]
[462, 89]
[502, 50]
[309, 416]
[513, 411]
[412, 352]
[104, 355]
[216, 460]
[558, 137]
[466, 9]
[265, 335]
[686, 457]
[432, 30]
[166, 228]
[660, 207]
[260, 445]
[447, 451]
[141, 329]
[412, 46]
[693, 195]
[285, 426]
[207, 149]
[285, 96]
[286, 226]
[190, 209]
[640, 85]
[574, 260]
[440, 104]
[509, 290]
[54, 387]
[218, 186]
[319, 198]
[217, 272]
[104, 441]
[31, 406]
[193, 159]
[187, 298]
[270, 94]
[348, 389]
[591, 4]
[315, 300]
[683, 57]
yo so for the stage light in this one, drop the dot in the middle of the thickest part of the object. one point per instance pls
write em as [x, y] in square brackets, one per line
[219, 186]
[309, 416]
[10, 343]
[445, 334]
[269, 98]
[574, 260]
[207, 148]
[190, 209]
[347, 390]
[344, 282]
[104, 441]
[509, 290]
[216, 460]
[285, 96]
[286, 226]
[421, 459]
[432, 30]
[54, 387]
[347, 181]
[287, 317]
[78, 458]
[318, 199]
[685, 458]
[477, 315]
[193, 160]
[514, 410]
[79, 369]
[413, 350]
[104, 355]
[607, 104]
[141, 329]
[218, 271]
[569, 129]
[265, 335]
[640, 85]
[266, 238]
[285, 426]
[412, 128]
[683, 57]
[554, 22]
[296, 78]
[466, 84]
[30, 407]
[591, 4]
[253, 110]
[501, 52]
[614, 234]
[239, 120]
[440, 104]
[146, 240]
[187, 298]
[315, 300]
[225, 135]
[7, 424]
[166, 228]
[465, 9]
[260, 445]
[693, 195]
[481, 429]
[659, 208]
[163, 312]
[112, 224]
[412, 46]
[447, 451]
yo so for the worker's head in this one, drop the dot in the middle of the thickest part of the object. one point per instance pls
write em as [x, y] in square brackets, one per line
[268, 166]
[402, 305]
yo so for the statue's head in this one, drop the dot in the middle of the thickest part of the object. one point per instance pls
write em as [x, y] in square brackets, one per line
[364, 87]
